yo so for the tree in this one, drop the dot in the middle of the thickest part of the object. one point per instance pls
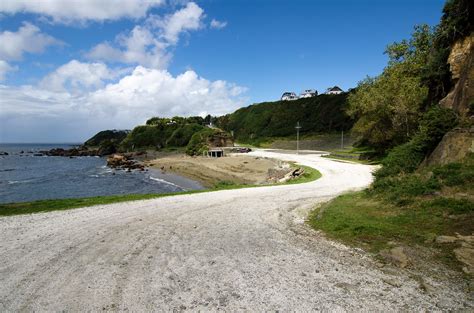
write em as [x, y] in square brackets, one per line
[387, 107]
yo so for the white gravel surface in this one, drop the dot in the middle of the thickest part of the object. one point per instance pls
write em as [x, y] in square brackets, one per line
[234, 250]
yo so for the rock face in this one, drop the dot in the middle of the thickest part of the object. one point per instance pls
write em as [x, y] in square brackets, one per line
[454, 146]
[457, 143]
[461, 66]
[220, 139]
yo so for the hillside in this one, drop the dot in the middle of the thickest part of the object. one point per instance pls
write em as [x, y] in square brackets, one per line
[320, 114]
[418, 114]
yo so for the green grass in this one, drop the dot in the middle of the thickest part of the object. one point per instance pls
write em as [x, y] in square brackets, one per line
[66, 204]
[351, 154]
[410, 209]
[360, 220]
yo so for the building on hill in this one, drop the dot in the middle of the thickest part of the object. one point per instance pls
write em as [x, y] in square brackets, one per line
[289, 96]
[334, 91]
[308, 93]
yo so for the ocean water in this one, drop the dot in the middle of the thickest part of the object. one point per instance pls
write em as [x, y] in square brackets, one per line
[25, 177]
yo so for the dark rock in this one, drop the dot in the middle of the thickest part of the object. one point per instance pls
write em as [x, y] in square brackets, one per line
[125, 162]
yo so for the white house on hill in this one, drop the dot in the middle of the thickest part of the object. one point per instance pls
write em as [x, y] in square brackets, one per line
[334, 91]
[289, 96]
[308, 93]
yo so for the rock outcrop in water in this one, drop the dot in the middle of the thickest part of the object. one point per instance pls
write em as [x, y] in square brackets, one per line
[120, 161]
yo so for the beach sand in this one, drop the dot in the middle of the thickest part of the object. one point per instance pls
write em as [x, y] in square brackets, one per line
[238, 169]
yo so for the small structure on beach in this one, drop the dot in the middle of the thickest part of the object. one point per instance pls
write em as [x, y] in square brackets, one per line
[215, 153]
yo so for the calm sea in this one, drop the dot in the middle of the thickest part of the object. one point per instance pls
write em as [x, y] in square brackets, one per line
[25, 177]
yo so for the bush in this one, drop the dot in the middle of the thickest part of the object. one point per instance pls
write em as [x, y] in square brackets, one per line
[402, 190]
[199, 142]
[182, 135]
[406, 158]
[451, 205]
[147, 136]
[456, 174]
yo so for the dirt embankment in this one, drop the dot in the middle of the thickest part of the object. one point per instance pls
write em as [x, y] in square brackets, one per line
[236, 169]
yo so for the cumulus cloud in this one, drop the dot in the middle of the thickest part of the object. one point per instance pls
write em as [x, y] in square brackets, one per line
[218, 24]
[152, 92]
[172, 25]
[76, 76]
[61, 115]
[148, 44]
[85, 10]
[4, 69]
[140, 46]
[28, 39]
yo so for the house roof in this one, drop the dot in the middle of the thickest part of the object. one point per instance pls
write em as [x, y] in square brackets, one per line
[335, 88]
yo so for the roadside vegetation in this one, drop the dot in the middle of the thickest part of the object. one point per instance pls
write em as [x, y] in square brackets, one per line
[400, 122]
[408, 209]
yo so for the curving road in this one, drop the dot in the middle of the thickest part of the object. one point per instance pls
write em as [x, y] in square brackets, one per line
[245, 250]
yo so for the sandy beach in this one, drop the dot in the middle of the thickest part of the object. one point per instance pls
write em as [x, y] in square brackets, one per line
[233, 168]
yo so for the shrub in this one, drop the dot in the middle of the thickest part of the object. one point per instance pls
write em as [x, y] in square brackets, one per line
[147, 136]
[182, 135]
[451, 205]
[406, 158]
[200, 141]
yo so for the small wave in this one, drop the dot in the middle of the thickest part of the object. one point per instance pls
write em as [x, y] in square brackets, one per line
[105, 172]
[11, 182]
[164, 181]
[93, 175]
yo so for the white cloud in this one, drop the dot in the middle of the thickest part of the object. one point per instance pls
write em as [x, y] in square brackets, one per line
[79, 77]
[85, 10]
[148, 44]
[151, 92]
[172, 25]
[46, 115]
[28, 39]
[218, 24]
[5, 68]
[138, 47]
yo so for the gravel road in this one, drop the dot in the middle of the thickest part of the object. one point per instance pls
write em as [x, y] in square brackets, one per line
[244, 250]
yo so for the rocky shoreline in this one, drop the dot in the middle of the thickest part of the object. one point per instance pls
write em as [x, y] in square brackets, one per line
[124, 162]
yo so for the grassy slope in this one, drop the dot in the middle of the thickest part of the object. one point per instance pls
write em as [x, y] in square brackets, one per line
[412, 210]
[65, 204]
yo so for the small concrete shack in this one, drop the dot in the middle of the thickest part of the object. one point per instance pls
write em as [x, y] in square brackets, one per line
[215, 153]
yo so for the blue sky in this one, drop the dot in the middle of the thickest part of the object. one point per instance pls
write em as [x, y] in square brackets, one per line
[67, 72]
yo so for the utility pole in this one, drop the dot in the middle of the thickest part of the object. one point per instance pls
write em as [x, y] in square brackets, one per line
[342, 140]
[298, 127]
